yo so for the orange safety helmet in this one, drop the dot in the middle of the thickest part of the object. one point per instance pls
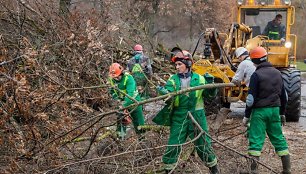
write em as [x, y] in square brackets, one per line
[138, 47]
[183, 56]
[258, 53]
[115, 70]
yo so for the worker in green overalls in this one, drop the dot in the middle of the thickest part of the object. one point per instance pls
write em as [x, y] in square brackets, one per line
[124, 89]
[267, 98]
[175, 113]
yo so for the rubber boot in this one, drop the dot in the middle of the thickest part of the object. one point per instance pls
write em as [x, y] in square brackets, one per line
[214, 169]
[286, 164]
[254, 165]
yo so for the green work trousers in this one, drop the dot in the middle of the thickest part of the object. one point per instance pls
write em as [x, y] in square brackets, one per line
[266, 120]
[137, 119]
[182, 127]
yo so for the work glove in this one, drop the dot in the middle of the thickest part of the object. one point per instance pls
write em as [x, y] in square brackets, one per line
[161, 90]
[209, 78]
[283, 120]
[158, 87]
[282, 40]
[245, 121]
[236, 82]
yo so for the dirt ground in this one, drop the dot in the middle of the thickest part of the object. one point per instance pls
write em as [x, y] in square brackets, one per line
[296, 136]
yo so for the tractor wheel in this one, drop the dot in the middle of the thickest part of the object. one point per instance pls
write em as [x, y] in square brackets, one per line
[292, 83]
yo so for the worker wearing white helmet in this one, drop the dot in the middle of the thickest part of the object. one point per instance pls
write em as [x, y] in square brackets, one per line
[245, 68]
[244, 71]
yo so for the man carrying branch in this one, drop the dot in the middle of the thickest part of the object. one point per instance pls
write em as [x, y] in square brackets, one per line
[175, 113]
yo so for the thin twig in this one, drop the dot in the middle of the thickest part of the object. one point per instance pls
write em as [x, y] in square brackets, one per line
[87, 87]
[12, 60]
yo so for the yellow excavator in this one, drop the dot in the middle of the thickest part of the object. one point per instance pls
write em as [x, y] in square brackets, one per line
[218, 56]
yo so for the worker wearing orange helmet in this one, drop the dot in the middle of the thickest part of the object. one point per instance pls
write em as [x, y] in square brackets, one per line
[140, 68]
[267, 98]
[124, 89]
[175, 113]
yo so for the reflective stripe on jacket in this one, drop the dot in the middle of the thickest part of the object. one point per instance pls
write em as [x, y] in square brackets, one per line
[193, 99]
[126, 85]
[274, 32]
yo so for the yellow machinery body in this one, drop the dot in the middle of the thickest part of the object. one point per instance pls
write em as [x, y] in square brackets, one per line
[279, 55]
[222, 62]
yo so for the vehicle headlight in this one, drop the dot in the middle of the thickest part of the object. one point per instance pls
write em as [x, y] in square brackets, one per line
[263, 2]
[239, 2]
[288, 44]
[287, 2]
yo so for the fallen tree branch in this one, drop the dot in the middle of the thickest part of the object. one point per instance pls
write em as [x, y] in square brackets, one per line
[169, 95]
[124, 153]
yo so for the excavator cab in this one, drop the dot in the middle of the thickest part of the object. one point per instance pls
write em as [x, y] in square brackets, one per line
[278, 39]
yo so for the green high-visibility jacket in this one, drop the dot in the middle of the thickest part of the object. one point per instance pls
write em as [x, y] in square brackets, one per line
[192, 101]
[274, 31]
[126, 85]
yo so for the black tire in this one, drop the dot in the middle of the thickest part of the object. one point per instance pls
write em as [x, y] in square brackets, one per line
[292, 83]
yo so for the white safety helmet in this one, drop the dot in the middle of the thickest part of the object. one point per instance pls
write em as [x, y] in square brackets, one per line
[239, 51]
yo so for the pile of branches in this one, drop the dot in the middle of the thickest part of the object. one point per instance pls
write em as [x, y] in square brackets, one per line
[46, 61]
[53, 76]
